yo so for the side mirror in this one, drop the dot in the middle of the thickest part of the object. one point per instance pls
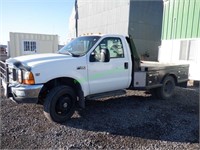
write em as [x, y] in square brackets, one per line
[105, 55]
[92, 57]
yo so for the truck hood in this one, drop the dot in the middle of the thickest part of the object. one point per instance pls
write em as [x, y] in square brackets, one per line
[36, 59]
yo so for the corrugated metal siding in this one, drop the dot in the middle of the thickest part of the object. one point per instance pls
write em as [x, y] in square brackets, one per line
[103, 16]
[181, 19]
[72, 25]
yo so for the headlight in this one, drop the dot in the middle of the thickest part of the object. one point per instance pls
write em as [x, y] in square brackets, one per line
[19, 76]
[25, 77]
[28, 77]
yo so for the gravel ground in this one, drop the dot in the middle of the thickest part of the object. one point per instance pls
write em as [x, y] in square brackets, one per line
[136, 121]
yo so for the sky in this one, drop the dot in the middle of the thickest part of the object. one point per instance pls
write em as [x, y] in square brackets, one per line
[35, 16]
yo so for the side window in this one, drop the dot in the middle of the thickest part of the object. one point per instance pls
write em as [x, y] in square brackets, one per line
[115, 48]
[114, 45]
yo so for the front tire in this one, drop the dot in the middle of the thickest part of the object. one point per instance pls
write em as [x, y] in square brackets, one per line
[167, 90]
[59, 104]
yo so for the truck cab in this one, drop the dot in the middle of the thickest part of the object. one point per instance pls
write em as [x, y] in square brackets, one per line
[88, 66]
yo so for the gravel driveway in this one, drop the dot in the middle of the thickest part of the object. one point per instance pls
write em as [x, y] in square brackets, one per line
[136, 121]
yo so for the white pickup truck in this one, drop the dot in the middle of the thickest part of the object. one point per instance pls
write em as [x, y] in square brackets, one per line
[89, 66]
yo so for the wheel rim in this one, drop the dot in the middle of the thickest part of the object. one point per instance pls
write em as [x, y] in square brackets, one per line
[168, 88]
[63, 105]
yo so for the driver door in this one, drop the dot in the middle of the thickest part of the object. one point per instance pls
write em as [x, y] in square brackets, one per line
[112, 75]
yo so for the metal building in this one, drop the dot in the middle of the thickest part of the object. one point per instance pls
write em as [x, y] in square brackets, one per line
[139, 18]
[29, 43]
[181, 34]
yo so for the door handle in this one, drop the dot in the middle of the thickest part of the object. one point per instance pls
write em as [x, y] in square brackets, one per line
[126, 65]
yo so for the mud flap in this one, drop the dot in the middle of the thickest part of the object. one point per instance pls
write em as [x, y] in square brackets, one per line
[81, 101]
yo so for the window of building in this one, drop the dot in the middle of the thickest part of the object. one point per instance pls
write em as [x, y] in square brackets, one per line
[188, 50]
[184, 50]
[29, 46]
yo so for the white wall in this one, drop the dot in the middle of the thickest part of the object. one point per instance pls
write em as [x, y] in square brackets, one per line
[44, 43]
[103, 16]
[170, 51]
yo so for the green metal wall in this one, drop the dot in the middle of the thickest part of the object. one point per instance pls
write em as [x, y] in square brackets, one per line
[181, 19]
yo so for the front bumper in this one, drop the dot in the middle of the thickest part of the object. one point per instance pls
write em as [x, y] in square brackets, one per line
[21, 93]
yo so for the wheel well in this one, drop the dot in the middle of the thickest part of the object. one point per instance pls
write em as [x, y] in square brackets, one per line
[57, 82]
[172, 75]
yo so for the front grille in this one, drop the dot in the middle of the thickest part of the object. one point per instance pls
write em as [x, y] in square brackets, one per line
[4, 77]
[12, 74]
[8, 73]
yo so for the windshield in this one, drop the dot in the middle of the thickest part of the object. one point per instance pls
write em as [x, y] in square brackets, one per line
[79, 46]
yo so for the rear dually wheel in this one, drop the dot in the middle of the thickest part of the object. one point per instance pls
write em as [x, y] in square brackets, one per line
[167, 89]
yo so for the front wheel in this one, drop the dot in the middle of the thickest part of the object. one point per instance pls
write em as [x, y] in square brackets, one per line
[59, 104]
[167, 89]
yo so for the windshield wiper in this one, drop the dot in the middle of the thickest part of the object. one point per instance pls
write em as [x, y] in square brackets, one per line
[66, 52]
[70, 53]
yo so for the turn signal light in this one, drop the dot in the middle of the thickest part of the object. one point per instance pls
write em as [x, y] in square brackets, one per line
[28, 78]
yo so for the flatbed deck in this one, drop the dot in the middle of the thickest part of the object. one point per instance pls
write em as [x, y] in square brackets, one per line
[153, 65]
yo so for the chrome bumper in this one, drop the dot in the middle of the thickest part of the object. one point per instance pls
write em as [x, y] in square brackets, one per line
[21, 93]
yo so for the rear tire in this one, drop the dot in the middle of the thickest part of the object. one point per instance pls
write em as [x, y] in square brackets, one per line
[59, 104]
[167, 90]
